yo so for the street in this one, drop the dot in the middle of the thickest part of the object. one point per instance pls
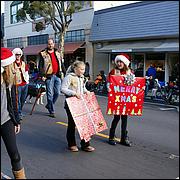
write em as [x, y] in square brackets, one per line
[154, 153]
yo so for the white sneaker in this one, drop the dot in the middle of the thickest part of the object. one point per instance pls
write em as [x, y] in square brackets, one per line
[38, 101]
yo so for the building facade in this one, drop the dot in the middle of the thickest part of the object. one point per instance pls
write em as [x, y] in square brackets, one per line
[148, 31]
[23, 35]
[2, 28]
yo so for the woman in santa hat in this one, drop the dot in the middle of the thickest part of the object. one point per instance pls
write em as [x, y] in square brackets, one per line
[10, 124]
[21, 79]
[121, 63]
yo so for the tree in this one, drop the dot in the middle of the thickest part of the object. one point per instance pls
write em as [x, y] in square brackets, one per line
[58, 14]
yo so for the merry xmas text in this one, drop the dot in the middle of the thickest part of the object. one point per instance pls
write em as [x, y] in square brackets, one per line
[129, 89]
[126, 89]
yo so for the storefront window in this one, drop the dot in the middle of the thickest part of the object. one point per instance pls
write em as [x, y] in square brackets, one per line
[137, 64]
[173, 64]
[157, 60]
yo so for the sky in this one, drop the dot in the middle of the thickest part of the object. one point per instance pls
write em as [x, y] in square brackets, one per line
[98, 5]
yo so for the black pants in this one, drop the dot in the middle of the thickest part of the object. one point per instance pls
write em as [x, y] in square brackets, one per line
[9, 138]
[70, 135]
[123, 126]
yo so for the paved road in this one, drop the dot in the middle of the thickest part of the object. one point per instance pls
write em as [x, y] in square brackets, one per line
[154, 154]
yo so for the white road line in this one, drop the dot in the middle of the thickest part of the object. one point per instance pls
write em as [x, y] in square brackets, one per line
[173, 156]
[166, 109]
[98, 134]
[5, 176]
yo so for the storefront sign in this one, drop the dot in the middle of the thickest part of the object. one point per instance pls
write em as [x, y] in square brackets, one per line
[125, 99]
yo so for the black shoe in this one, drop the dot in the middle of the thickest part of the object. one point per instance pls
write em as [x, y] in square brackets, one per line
[125, 142]
[52, 115]
[112, 142]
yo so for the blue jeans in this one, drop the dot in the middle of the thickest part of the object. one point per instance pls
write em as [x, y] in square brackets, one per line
[53, 86]
[22, 94]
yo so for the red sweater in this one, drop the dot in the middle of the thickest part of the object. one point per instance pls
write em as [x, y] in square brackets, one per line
[55, 64]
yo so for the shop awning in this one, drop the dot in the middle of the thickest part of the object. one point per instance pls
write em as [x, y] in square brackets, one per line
[69, 48]
[142, 46]
[170, 46]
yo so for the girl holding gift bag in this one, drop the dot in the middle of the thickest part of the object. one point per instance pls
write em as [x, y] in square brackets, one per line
[74, 85]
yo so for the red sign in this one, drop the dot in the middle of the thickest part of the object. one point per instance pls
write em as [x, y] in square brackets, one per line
[87, 115]
[125, 99]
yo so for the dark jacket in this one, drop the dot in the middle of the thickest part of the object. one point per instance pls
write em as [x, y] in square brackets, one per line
[11, 105]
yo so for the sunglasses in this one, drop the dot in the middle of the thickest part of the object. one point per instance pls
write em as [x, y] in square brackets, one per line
[18, 54]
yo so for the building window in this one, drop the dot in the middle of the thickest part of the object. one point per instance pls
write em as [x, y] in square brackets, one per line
[15, 42]
[73, 36]
[36, 40]
[14, 7]
[157, 60]
[173, 64]
[137, 64]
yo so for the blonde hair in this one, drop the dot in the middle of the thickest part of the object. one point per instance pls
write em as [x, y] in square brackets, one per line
[77, 63]
[74, 65]
[9, 75]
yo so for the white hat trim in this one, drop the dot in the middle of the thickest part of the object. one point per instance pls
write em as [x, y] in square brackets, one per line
[17, 51]
[123, 59]
[10, 60]
[2, 70]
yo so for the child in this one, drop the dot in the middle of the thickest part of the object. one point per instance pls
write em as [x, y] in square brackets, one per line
[74, 85]
[122, 62]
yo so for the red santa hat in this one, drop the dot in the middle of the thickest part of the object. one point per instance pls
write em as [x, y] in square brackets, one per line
[7, 57]
[124, 58]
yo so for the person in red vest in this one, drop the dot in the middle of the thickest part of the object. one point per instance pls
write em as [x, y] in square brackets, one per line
[121, 62]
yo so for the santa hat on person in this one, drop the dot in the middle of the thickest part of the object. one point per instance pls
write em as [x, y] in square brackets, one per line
[7, 57]
[17, 51]
[124, 58]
